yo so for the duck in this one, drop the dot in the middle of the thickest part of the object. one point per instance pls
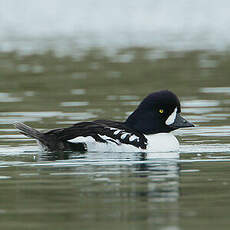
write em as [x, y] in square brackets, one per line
[147, 129]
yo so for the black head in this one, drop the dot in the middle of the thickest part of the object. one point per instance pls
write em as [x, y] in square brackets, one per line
[159, 112]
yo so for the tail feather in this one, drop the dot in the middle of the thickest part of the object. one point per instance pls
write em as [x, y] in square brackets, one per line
[49, 141]
[28, 131]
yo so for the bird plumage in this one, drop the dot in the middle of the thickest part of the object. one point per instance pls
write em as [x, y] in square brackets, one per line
[158, 113]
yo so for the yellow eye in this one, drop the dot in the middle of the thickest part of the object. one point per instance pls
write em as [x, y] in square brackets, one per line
[161, 110]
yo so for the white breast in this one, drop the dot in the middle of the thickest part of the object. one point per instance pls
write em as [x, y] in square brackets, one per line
[162, 142]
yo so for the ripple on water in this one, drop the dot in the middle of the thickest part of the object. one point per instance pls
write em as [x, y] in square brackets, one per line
[74, 103]
[11, 117]
[5, 177]
[205, 148]
[201, 110]
[122, 98]
[78, 75]
[11, 120]
[78, 91]
[221, 131]
[6, 97]
[33, 114]
[223, 90]
[200, 103]
[19, 150]
[114, 74]
[78, 115]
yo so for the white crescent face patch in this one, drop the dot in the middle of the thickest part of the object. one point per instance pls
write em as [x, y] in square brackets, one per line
[171, 117]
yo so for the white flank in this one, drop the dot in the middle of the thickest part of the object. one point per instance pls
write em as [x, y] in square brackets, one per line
[171, 118]
[162, 142]
[82, 139]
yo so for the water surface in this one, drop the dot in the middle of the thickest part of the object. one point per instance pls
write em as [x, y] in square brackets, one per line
[114, 190]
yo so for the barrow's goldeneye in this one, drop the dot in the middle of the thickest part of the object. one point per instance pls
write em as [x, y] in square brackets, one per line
[147, 129]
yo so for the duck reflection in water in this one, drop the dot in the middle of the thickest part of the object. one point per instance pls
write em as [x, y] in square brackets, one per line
[60, 155]
[154, 179]
[138, 188]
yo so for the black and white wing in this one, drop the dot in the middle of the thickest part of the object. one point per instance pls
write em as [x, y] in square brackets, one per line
[103, 131]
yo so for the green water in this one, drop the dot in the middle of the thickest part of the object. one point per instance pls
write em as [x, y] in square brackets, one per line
[114, 190]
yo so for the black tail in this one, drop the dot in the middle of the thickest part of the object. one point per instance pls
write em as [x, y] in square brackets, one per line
[49, 142]
[28, 131]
